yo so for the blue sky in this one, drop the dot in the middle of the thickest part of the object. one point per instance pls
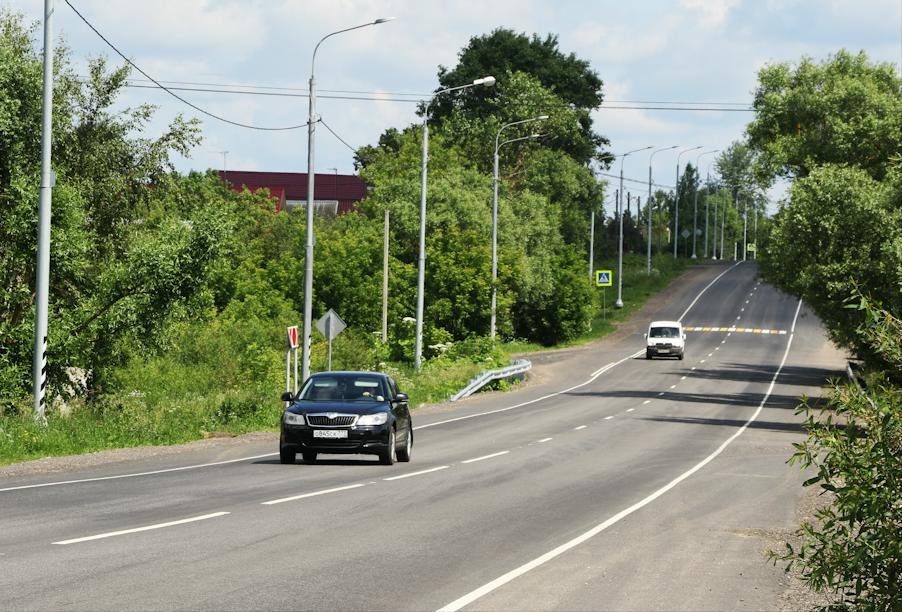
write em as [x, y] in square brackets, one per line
[649, 50]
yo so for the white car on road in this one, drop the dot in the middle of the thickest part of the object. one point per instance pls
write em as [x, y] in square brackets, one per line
[665, 338]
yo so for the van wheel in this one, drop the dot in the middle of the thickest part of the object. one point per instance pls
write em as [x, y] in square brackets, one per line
[648, 354]
[681, 355]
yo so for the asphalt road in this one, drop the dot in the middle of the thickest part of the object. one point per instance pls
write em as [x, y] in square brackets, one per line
[615, 484]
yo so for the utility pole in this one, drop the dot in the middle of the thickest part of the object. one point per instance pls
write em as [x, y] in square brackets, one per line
[385, 280]
[755, 212]
[592, 244]
[714, 246]
[745, 225]
[42, 271]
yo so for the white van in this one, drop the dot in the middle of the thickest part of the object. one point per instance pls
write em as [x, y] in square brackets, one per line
[665, 338]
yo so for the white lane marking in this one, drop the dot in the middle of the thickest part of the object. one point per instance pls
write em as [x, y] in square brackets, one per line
[702, 361]
[486, 457]
[608, 418]
[602, 369]
[723, 341]
[544, 440]
[630, 409]
[716, 348]
[709, 354]
[580, 427]
[435, 469]
[742, 310]
[792, 330]
[738, 318]
[538, 399]
[660, 394]
[487, 588]
[716, 278]
[672, 386]
[111, 534]
[693, 367]
[314, 494]
[175, 469]
[646, 402]
[729, 334]
[746, 301]
[682, 378]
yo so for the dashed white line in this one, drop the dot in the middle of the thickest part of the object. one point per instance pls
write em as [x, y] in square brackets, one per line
[738, 318]
[646, 402]
[515, 573]
[710, 354]
[435, 469]
[580, 427]
[608, 418]
[630, 409]
[111, 534]
[716, 348]
[661, 393]
[544, 440]
[486, 457]
[672, 386]
[702, 361]
[314, 494]
[693, 367]
[682, 378]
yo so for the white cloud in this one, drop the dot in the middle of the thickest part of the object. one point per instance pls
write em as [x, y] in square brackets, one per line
[713, 13]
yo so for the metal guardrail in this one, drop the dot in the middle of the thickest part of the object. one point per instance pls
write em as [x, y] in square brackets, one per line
[518, 367]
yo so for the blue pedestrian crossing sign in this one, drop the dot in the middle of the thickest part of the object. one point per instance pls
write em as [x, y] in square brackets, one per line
[603, 278]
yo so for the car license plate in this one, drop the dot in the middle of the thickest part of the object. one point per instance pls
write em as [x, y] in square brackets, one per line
[664, 350]
[330, 433]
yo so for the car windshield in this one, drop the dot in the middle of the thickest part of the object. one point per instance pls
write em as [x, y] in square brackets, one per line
[664, 332]
[344, 388]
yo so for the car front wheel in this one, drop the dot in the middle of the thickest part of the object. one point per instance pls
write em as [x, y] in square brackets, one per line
[390, 454]
[287, 455]
[404, 453]
[309, 456]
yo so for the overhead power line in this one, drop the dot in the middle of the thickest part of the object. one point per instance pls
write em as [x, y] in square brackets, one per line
[342, 140]
[632, 180]
[172, 93]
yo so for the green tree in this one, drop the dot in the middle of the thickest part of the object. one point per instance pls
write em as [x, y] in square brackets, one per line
[844, 110]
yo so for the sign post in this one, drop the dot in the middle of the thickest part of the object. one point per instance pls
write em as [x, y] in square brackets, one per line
[292, 348]
[604, 279]
[330, 325]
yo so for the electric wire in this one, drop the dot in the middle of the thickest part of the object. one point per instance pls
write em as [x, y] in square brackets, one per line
[340, 139]
[172, 93]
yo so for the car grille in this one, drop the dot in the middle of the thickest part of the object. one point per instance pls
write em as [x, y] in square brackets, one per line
[328, 420]
[664, 346]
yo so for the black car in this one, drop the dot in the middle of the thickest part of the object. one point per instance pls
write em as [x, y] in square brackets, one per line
[347, 412]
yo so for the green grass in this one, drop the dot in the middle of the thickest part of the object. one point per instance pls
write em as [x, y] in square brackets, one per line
[181, 396]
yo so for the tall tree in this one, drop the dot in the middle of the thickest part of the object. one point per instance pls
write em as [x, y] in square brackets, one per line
[846, 110]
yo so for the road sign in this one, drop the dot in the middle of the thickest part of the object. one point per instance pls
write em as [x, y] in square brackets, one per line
[330, 324]
[684, 233]
[752, 247]
[603, 278]
[293, 337]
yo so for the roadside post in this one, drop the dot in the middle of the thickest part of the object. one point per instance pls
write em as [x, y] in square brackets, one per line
[292, 348]
[330, 325]
[604, 279]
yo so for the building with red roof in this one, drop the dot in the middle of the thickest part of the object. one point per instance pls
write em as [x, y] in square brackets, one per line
[334, 194]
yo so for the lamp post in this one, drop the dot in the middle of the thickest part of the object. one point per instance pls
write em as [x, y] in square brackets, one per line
[311, 150]
[695, 201]
[488, 81]
[676, 201]
[498, 145]
[619, 302]
[716, 201]
[648, 204]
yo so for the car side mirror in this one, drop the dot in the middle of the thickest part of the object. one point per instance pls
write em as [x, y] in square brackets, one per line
[401, 397]
[287, 396]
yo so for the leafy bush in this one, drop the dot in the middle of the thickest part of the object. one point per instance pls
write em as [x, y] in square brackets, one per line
[855, 549]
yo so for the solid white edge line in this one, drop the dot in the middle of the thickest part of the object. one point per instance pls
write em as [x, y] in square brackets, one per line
[472, 596]
[100, 536]
[98, 478]
[486, 457]
[314, 494]
[435, 469]
[716, 278]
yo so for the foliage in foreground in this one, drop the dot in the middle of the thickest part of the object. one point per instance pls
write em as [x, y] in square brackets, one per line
[854, 549]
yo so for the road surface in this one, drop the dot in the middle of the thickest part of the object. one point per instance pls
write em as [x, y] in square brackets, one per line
[616, 484]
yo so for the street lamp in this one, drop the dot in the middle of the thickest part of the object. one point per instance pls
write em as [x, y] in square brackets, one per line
[695, 200]
[487, 81]
[495, 210]
[308, 260]
[648, 204]
[619, 302]
[676, 201]
[707, 198]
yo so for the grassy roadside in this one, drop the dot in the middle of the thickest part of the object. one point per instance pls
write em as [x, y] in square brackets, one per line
[173, 399]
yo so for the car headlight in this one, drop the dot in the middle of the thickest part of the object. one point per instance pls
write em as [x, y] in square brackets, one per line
[294, 419]
[373, 419]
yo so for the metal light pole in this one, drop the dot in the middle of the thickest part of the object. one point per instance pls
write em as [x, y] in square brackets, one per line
[745, 226]
[495, 211]
[755, 212]
[385, 278]
[421, 258]
[42, 270]
[591, 242]
[311, 151]
[648, 205]
[676, 201]
[716, 199]
[619, 302]
[695, 201]
[723, 226]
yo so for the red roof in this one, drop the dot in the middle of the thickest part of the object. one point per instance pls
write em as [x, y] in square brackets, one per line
[347, 189]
